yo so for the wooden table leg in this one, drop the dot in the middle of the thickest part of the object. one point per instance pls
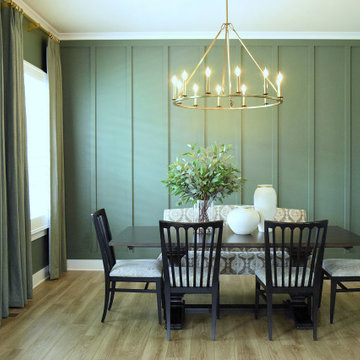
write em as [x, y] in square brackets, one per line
[177, 312]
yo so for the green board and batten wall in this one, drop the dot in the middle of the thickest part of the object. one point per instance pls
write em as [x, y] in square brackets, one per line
[121, 130]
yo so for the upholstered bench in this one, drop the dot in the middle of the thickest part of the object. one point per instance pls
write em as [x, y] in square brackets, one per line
[238, 261]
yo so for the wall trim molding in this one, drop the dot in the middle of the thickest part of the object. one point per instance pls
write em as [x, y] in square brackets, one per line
[40, 276]
[208, 35]
[183, 35]
[85, 264]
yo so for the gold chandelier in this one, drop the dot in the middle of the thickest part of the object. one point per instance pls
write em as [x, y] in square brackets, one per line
[224, 97]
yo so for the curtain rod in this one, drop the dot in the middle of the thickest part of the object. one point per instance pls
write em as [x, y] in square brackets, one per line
[33, 24]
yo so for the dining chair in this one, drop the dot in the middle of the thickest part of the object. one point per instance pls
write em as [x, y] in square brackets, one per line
[125, 270]
[293, 265]
[339, 271]
[191, 257]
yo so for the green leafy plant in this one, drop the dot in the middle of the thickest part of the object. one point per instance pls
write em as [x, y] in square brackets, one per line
[204, 173]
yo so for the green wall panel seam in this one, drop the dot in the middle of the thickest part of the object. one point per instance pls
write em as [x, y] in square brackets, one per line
[204, 111]
[93, 119]
[311, 133]
[167, 103]
[347, 139]
[130, 83]
[275, 131]
[241, 146]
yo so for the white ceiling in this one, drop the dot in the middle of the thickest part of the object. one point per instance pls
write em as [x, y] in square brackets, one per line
[87, 19]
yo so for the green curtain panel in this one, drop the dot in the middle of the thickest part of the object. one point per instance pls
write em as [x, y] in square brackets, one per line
[4, 303]
[57, 256]
[16, 269]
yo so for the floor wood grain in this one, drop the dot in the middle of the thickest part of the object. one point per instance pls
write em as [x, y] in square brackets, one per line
[63, 322]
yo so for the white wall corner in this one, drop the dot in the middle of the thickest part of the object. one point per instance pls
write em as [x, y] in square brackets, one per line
[40, 276]
[85, 265]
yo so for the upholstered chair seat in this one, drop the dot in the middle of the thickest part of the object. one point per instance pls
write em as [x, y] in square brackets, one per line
[339, 272]
[183, 278]
[137, 268]
[261, 274]
[342, 267]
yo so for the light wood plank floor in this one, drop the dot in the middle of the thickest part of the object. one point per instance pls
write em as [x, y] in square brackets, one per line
[63, 322]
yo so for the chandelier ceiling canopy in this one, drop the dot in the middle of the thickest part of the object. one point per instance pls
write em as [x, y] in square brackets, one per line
[223, 96]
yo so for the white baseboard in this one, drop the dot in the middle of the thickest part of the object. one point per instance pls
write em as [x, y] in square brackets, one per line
[85, 265]
[40, 276]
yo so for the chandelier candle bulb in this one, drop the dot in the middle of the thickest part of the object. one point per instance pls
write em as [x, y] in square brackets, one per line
[195, 88]
[175, 85]
[243, 89]
[184, 76]
[218, 90]
[237, 73]
[179, 87]
[208, 73]
[278, 82]
[266, 74]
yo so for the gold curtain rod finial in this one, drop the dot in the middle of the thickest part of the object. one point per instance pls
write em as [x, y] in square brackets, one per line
[33, 26]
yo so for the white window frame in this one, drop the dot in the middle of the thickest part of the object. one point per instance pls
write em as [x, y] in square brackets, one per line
[40, 224]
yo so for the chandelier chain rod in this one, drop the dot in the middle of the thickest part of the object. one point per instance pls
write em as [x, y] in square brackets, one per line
[252, 57]
[228, 59]
[224, 64]
[202, 59]
[227, 12]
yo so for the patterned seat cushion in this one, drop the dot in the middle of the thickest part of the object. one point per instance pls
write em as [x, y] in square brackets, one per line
[137, 268]
[237, 261]
[342, 267]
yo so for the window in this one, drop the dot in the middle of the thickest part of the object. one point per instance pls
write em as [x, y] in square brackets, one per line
[38, 145]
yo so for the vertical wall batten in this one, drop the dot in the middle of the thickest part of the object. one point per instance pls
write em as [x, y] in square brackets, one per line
[93, 141]
[166, 104]
[205, 112]
[129, 52]
[311, 133]
[347, 139]
[241, 137]
[275, 130]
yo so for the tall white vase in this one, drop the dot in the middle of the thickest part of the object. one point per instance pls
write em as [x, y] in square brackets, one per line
[265, 203]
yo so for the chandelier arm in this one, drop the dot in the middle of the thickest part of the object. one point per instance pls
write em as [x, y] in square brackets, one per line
[228, 60]
[202, 59]
[224, 62]
[252, 57]
[181, 102]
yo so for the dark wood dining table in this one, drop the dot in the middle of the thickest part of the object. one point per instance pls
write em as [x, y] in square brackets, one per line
[134, 237]
[149, 237]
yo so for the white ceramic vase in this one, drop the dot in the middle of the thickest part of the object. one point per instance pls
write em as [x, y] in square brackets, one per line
[265, 203]
[243, 220]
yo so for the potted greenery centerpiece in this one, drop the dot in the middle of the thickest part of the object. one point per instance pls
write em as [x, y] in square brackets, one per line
[203, 174]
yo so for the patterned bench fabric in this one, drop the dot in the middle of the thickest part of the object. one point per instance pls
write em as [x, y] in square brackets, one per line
[237, 261]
